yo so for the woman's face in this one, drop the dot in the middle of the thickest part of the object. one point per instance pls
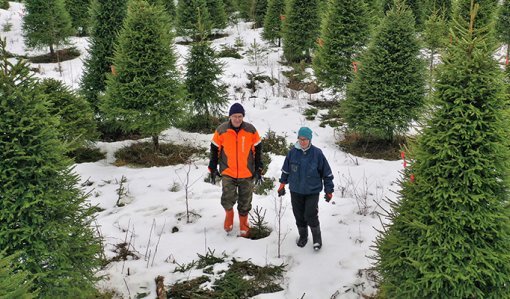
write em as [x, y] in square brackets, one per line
[303, 142]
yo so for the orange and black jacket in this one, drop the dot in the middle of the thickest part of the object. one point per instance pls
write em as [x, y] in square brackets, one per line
[238, 151]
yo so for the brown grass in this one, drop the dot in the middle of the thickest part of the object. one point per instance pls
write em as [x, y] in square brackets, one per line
[143, 155]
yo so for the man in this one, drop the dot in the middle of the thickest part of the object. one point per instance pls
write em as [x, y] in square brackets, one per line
[237, 147]
[307, 172]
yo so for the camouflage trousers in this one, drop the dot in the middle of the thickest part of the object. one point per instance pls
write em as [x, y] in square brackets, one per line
[237, 190]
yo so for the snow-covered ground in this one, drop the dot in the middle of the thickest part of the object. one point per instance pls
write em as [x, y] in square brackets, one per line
[153, 206]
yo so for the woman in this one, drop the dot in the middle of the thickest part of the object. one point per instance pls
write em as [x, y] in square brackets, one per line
[307, 171]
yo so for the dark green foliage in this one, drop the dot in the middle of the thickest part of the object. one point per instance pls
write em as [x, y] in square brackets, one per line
[388, 91]
[449, 235]
[44, 216]
[46, 24]
[344, 33]
[79, 12]
[246, 9]
[14, 284]
[435, 37]
[273, 23]
[485, 21]
[259, 12]
[242, 279]
[76, 120]
[86, 154]
[170, 8]
[275, 144]
[442, 7]
[106, 20]
[231, 7]
[193, 19]
[301, 29]
[142, 154]
[216, 9]
[206, 95]
[4, 4]
[503, 24]
[416, 6]
[144, 95]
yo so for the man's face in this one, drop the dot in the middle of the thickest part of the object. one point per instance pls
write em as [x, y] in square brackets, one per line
[236, 119]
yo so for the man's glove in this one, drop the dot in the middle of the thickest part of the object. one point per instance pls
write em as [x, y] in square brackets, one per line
[258, 177]
[281, 190]
[214, 173]
[328, 196]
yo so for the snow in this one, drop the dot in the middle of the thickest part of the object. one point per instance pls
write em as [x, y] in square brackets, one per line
[153, 202]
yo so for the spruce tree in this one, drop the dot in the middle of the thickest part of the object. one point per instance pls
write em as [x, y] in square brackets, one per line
[188, 15]
[79, 12]
[246, 9]
[449, 232]
[216, 10]
[106, 18]
[442, 7]
[485, 17]
[170, 9]
[301, 30]
[144, 94]
[13, 283]
[259, 12]
[273, 21]
[76, 120]
[344, 33]
[435, 38]
[206, 95]
[503, 25]
[416, 6]
[44, 215]
[388, 91]
[46, 24]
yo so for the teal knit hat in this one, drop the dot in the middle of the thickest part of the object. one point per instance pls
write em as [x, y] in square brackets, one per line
[305, 132]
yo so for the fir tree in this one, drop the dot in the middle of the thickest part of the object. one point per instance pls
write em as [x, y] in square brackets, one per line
[503, 25]
[106, 17]
[44, 215]
[205, 93]
[344, 34]
[144, 94]
[76, 119]
[259, 12]
[46, 24]
[388, 91]
[79, 12]
[188, 15]
[449, 235]
[301, 29]
[13, 283]
[273, 21]
[216, 10]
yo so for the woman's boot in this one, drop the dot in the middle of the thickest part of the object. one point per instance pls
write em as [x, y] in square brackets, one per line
[303, 236]
[316, 236]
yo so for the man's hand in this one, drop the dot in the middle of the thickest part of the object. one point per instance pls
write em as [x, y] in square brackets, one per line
[214, 173]
[328, 196]
[281, 190]
[258, 177]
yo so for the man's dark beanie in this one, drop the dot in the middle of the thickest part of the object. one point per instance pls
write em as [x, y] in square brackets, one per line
[236, 108]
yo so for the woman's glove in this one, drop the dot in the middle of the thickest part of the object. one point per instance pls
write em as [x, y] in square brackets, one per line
[281, 190]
